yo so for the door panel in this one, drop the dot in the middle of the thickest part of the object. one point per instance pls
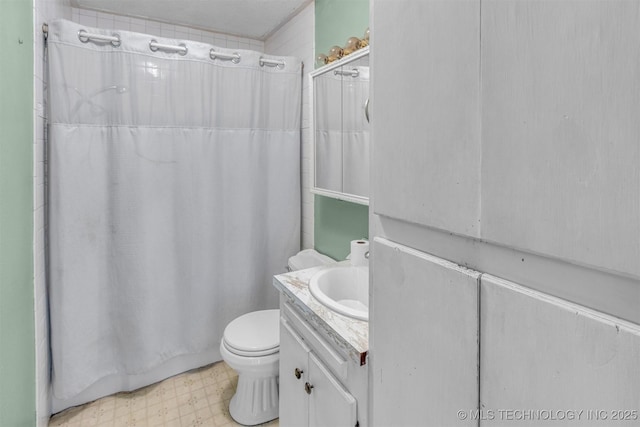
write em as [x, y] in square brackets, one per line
[330, 404]
[424, 339]
[560, 129]
[293, 355]
[542, 353]
[424, 112]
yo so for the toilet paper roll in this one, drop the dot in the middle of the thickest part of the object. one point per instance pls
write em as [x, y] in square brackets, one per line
[358, 250]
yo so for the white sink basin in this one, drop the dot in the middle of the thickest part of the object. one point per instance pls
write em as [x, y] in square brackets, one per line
[343, 289]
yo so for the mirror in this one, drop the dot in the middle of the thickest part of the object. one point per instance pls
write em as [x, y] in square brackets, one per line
[340, 96]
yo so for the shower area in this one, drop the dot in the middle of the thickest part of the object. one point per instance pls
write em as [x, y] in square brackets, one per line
[174, 197]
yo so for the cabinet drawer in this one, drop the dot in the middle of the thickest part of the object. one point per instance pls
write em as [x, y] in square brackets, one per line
[334, 360]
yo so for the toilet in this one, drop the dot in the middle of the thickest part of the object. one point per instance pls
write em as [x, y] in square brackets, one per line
[251, 345]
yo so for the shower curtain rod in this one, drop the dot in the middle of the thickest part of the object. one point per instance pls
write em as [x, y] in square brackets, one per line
[154, 46]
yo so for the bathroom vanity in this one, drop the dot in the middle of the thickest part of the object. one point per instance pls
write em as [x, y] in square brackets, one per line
[323, 359]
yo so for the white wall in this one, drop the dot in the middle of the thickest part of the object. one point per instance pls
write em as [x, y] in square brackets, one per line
[296, 38]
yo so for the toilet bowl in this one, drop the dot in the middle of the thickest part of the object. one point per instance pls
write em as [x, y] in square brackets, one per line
[250, 346]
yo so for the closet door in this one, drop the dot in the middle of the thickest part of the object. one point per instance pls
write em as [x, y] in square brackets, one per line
[424, 339]
[560, 129]
[424, 112]
[542, 353]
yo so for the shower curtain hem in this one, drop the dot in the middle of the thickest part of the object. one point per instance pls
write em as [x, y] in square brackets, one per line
[116, 383]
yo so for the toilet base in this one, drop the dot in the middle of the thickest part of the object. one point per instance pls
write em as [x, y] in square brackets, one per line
[256, 400]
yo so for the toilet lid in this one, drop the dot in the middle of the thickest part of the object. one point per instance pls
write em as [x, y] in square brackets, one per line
[256, 333]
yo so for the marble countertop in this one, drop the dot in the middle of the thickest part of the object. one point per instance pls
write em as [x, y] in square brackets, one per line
[351, 334]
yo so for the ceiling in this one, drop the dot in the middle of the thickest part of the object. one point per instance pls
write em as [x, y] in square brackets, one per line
[256, 19]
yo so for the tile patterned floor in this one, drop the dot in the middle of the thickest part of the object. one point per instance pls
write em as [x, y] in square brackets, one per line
[198, 398]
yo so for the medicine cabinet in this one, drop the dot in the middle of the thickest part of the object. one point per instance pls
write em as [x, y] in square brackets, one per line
[340, 128]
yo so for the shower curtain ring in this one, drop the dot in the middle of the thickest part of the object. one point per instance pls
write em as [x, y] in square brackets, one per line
[82, 36]
[116, 43]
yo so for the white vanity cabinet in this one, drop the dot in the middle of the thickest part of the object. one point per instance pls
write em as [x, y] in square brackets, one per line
[311, 395]
[319, 385]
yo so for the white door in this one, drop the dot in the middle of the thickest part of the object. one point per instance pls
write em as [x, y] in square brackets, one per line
[330, 404]
[293, 375]
[425, 118]
[424, 346]
[560, 129]
[547, 362]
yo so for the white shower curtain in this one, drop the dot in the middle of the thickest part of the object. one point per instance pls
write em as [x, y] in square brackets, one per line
[174, 198]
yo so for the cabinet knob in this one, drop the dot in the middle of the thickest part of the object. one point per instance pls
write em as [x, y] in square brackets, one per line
[298, 373]
[307, 388]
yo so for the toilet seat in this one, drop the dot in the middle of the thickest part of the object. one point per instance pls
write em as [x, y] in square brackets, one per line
[254, 334]
[250, 353]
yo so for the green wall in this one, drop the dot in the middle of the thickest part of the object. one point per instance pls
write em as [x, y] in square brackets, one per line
[336, 222]
[17, 342]
[337, 20]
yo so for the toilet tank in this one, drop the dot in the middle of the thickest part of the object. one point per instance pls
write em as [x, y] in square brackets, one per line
[308, 258]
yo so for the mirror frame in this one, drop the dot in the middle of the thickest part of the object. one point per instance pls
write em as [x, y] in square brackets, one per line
[362, 200]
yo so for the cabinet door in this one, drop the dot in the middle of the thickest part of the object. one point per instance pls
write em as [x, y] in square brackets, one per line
[293, 399]
[541, 353]
[560, 129]
[424, 347]
[330, 404]
[328, 131]
[425, 119]
[355, 128]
